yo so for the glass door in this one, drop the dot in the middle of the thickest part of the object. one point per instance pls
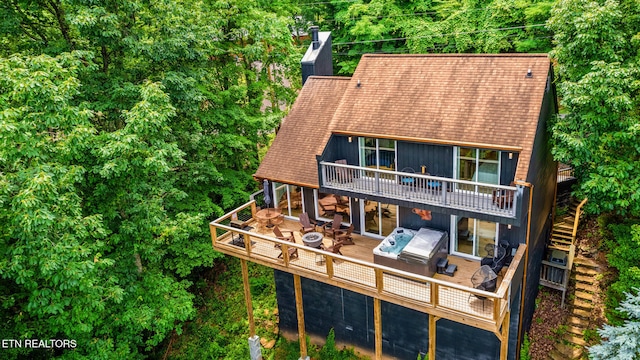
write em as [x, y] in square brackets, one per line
[288, 199]
[378, 219]
[470, 236]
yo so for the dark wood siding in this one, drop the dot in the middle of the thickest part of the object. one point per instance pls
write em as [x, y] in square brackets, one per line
[508, 167]
[338, 148]
[542, 175]
[437, 159]
[405, 332]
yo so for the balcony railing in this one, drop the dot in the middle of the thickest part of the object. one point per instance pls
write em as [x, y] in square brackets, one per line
[565, 172]
[430, 190]
[421, 293]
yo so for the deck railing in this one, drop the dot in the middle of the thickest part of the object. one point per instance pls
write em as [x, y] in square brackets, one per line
[556, 276]
[565, 172]
[421, 293]
[430, 190]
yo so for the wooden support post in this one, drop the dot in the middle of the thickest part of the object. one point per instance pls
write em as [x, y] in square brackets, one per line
[330, 266]
[300, 312]
[504, 342]
[377, 323]
[247, 296]
[432, 337]
[379, 280]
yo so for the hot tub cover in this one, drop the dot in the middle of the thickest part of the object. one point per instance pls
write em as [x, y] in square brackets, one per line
[423, 246]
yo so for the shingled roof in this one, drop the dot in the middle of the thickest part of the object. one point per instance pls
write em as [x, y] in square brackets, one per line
[459, 99]
[304, 133]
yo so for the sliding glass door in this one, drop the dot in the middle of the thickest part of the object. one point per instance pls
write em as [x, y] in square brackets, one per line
[470, 236]
[378, 219]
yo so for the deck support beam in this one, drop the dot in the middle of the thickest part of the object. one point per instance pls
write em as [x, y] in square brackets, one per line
[432, 336]
[255, 350]
[247, 296]
[297, 284]
[377, 323]
[504, 341]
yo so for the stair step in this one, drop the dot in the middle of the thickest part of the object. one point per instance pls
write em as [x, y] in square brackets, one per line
[584, 295]
[561, 241]
[559, 230]
[581, 313]
[576, 321]
[585, 262]
[575, 339]
[585, 270]
[561, 236]
[557, 355]
[582, 304]
[559, 247]
[568, 352]
[577, 330]
[585, 287]
[583, 278]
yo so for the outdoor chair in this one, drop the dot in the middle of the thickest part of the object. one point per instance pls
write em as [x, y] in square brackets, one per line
[496, 257]
[484, 279]
[407, 180]
[344, 236]
[306, 224]
[281, 236]
[293, 252]
[335, 248]
[330, 229]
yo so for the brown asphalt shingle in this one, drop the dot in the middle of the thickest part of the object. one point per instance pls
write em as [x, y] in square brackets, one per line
[454, 98]
[304, 133]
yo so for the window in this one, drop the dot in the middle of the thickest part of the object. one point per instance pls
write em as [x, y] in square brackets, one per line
[377, 153]
[477, 165]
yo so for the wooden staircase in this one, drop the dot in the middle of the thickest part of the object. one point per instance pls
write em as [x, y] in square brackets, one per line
[572, 343]
[579, 269]
[565, 228]
[554, 272]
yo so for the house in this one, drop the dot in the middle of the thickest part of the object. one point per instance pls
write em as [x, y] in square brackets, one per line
[454, 143]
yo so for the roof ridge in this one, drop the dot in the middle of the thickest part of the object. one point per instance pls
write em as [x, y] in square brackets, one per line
[503, 55]
[329, 77]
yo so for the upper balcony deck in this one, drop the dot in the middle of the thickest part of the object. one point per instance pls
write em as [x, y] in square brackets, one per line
[498, 200]
[447, 297]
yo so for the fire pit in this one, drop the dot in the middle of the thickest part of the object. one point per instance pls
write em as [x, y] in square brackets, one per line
[312, 239]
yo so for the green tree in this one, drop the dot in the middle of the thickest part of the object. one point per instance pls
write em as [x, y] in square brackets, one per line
[597, 55]
[621, 342]
[116, 154]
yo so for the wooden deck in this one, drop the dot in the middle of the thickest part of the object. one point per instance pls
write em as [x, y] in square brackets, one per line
[441, 295]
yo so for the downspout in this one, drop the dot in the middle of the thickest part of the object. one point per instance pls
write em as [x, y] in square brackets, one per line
[526, 263]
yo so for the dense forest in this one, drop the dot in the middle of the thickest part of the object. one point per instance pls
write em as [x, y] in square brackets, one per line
[125, 126]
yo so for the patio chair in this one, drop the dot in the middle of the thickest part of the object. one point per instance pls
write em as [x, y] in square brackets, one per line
[306, 224]
[293, 252]
[344, 236]
[335, 248]
[496, 256]
[342, 174]
[484, 279]
[330, 229]
[281, 236]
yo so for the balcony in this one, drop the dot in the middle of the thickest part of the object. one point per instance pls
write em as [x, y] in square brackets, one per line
[447, 297]
[422, 189]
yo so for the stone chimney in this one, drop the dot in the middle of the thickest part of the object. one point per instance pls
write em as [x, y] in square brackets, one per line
[318, 59]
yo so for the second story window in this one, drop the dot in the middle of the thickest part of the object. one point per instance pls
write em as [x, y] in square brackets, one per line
[477, 165]
[377, 153]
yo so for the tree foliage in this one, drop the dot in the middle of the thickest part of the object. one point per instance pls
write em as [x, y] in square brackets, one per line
[125, 125]
[597, 54]
[621, 342]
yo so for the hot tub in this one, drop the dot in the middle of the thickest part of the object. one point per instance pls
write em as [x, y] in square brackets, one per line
[413, 251]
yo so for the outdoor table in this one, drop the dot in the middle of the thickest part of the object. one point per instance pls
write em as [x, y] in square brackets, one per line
[268, 214]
